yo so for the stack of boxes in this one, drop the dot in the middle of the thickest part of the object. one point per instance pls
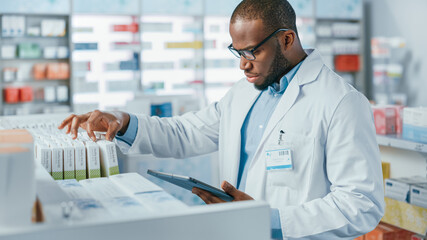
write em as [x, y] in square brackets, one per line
[17, 177]
[412, 190]
[65, 158]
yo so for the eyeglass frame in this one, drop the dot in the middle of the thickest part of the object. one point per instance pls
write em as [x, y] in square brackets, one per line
[251, 51]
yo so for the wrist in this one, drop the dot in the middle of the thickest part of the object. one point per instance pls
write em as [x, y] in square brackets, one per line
[124, 119]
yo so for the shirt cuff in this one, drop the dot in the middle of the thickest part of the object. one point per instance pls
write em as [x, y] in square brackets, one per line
[276, 229]
[129, 136]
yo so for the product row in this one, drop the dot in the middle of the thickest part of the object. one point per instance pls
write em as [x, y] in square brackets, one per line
[33, 51]
[411, 123]
[48, 94]
[38, 71]
[19, 26]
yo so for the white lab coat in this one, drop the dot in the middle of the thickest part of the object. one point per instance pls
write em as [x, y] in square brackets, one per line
[335, 188]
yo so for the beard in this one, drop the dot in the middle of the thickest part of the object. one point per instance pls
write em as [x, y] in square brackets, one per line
[278, 68]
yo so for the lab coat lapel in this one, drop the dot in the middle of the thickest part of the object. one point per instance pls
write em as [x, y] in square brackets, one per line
[288, 99]
[248, 95]
[307, 73]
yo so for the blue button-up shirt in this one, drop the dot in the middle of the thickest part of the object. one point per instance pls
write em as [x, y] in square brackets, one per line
[253, 129]
[251, 134]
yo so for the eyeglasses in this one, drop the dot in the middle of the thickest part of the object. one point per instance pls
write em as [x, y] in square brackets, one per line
[249, 54]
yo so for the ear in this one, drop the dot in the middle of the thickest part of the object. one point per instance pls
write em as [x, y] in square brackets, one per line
[287, 40]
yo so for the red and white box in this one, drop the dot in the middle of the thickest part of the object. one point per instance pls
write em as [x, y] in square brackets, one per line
[398, 110]
[385, 119]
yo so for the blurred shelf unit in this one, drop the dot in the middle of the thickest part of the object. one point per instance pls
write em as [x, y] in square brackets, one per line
[106, 60]
[336, 29]
[34, 63]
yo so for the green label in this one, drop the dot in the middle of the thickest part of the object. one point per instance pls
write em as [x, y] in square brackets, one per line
[94, 173]
[114, 170]
[68, 174]
[58, 175]
[80, 174]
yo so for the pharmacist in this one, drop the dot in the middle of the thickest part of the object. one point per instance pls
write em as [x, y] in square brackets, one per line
[326, 183]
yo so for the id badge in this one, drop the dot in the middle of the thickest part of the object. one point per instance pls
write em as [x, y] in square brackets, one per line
[278, 158]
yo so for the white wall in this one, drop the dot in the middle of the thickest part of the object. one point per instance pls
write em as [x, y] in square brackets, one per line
[407, 19]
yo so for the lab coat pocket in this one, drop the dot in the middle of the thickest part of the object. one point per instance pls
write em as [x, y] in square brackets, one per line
[302, 149]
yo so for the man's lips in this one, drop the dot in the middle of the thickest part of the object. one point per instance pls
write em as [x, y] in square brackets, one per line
[251, 77]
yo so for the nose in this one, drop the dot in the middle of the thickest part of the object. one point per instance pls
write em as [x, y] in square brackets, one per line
[245, 64]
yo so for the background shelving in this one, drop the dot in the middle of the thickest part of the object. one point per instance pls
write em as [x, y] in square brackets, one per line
[43, 39]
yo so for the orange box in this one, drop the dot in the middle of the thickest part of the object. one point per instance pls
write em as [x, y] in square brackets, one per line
[347, 63]
[11, 95]
[57, 71]
[401, 234]
[381, 232]
[26, 94]
[39, 71]
[360, 238]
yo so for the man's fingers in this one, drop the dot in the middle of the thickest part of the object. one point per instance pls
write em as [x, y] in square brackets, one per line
[228, 188]
[75, 124]
[206, 196]
[113, 128]
[66, 122]
[90, 132]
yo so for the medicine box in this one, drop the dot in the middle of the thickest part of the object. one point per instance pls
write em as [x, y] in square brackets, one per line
[93, 168]
[415, 124]
[418, 195]
[108, 158]
[385, 119]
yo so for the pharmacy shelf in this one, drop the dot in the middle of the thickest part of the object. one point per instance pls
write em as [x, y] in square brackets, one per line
[397, 141]
[43, 83]
[406, 216]
[24, 65]
[34, 59]
[37, 103]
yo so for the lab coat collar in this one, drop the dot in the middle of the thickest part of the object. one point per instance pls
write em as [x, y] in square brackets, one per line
[310, 68]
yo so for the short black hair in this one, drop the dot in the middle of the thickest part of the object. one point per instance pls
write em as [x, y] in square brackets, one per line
[275, 14]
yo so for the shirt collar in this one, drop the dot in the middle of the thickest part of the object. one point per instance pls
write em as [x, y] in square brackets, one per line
[279, 88]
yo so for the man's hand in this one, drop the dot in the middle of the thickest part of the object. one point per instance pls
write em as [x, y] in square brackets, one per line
[209, 198]
[110, 122]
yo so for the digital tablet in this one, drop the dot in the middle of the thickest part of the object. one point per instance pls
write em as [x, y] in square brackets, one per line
[189, 182]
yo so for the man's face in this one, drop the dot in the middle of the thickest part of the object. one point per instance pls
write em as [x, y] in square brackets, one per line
[270, 64]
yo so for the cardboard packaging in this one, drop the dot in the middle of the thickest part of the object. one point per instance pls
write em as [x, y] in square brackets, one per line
[11, 94]
[385, 119]
[92, 160]
[39, 71]
[347, 63]
[17, 177]
[415, 124]
[80, 159]
[108, 158]
[26, 94]
[418, 195]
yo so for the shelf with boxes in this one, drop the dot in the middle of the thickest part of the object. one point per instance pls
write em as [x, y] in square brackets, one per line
[402, 140]
[35, 64]
[341, 43]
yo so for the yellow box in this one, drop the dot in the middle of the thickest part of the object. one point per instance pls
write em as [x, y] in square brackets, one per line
[386, 170]
[406, 216]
